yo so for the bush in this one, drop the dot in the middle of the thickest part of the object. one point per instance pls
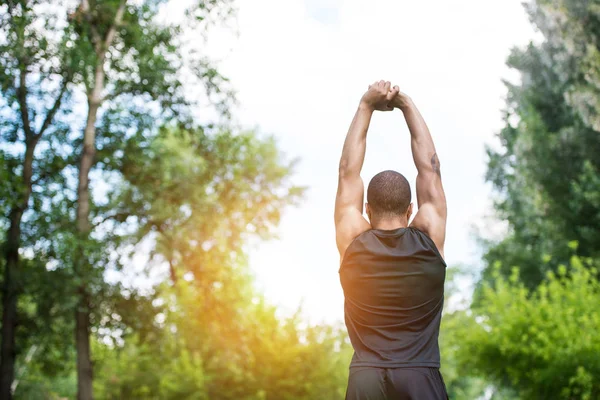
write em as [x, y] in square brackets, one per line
[545, 343]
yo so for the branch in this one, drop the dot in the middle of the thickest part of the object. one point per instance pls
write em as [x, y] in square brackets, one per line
[21, 91]
[47, 172]
[22, 98]
[55, 107]
[119, 217]
[41, 178]
[110, 35]
[11, 7]
[102, 47]
[122, 217]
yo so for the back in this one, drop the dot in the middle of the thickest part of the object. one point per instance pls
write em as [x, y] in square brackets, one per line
[393, 284]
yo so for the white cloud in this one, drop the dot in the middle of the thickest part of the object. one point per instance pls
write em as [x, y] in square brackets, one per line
[300, 68]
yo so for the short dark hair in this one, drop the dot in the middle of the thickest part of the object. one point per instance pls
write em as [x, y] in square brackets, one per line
[388, 194]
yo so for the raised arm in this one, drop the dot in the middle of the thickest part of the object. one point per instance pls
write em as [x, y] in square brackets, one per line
[431, 217]
[349, 221]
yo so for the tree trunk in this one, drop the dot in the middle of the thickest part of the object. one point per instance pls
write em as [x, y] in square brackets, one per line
[11, 286]
[82, 313]
[84, 360]
[82, 317]
[9, 307]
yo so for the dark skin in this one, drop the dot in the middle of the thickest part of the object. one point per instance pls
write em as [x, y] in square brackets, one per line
[432, 213]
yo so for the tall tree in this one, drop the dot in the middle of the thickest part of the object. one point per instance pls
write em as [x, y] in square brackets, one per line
[101, 40]
[133, 55]
[112, 51]
[546, 170]
[35, 74]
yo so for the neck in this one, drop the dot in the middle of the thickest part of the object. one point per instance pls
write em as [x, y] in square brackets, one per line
[390, 223]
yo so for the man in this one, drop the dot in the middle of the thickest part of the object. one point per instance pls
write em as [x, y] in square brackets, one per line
[392, 273]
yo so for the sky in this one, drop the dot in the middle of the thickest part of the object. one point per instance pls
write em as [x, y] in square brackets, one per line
[300, 68]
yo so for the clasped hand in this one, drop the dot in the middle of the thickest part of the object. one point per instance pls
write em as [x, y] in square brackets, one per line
[381, 96]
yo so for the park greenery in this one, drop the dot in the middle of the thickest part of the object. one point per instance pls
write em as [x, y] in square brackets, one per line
[102, 152]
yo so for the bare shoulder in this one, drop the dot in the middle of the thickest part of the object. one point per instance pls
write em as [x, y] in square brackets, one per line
[348, 227]
[429, 221]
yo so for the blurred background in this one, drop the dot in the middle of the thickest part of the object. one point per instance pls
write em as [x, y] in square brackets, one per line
[168, 174]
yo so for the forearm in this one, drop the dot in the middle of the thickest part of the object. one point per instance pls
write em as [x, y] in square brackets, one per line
[422, 146]
[355, 145]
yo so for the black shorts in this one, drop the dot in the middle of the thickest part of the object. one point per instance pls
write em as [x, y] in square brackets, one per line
[418, 383]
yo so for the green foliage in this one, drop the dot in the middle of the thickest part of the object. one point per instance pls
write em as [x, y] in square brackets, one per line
[143, 372]
[574, 26]
[203, 354]
[532, 330]
[544, 344]
[546, 170]
[40, 386]
[197, 193]
[149, 59]
[215, 186]
[460, 385]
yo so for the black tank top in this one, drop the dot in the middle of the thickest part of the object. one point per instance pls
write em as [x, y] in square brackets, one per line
[393, 285]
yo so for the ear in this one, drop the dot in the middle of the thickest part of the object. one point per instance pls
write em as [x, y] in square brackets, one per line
[368, 209]
[409, 212]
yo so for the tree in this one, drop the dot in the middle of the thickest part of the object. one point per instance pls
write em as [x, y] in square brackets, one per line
[110, 51]
[546, 171]
[198, 194]
[524, 333]
[129, 54]
[35, 74]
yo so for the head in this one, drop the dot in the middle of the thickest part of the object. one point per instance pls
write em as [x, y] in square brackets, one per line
[388, 198]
